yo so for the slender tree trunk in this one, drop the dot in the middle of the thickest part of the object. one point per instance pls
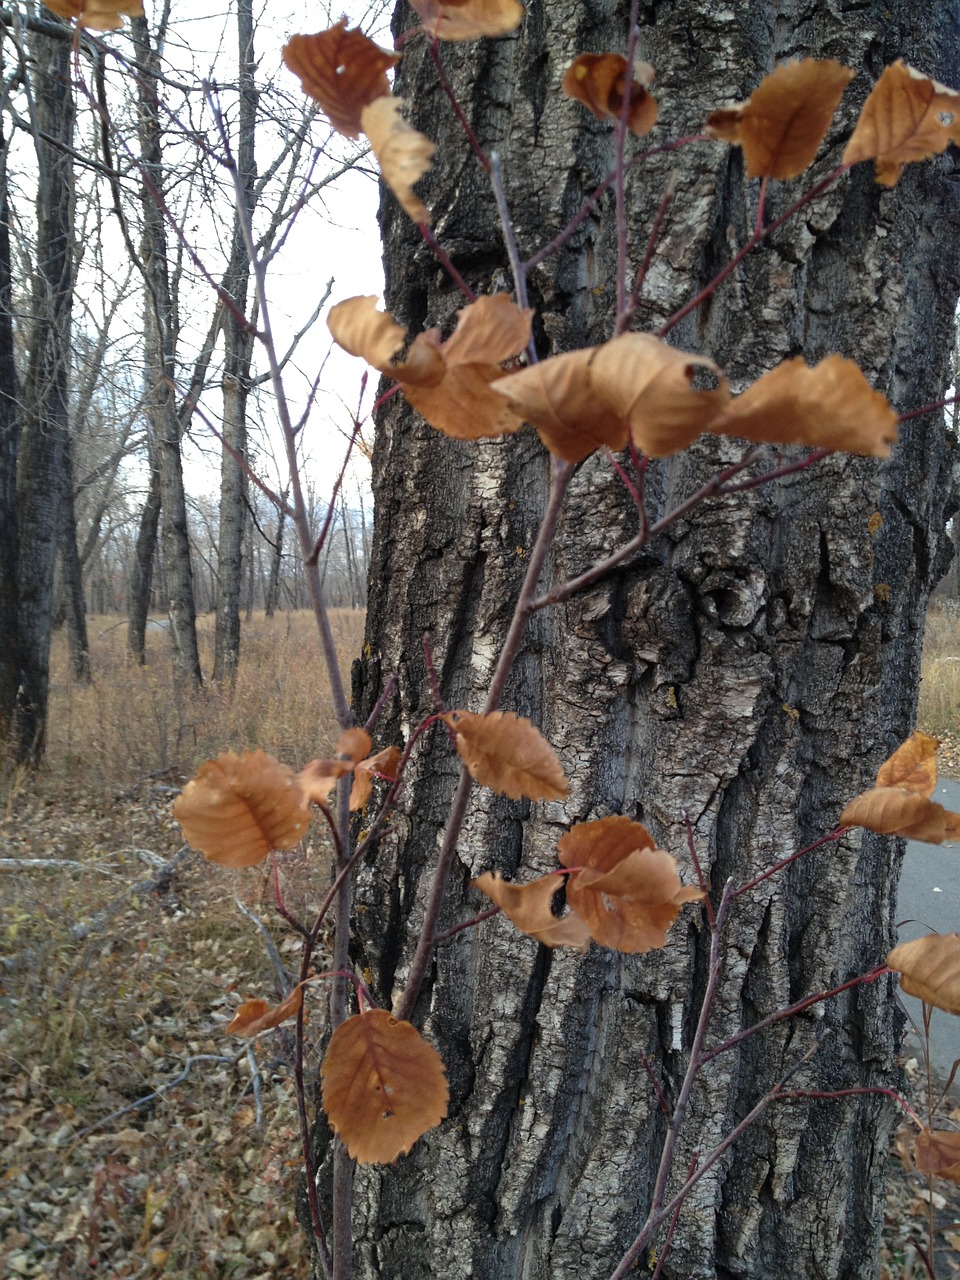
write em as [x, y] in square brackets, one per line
[272, 602]
[238, 348]
[748, 672]
[160, 326]
[45, 420]
[10, 659]
[71, 576]
[140, 573]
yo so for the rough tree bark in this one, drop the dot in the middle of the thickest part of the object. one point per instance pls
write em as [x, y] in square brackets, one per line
[160, 332]
[43, 437]
[9, 445]
[750, 670]
[238, 350]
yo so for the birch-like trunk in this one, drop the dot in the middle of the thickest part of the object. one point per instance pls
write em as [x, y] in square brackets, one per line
[749, 671]
[160, 336]
[238, 349]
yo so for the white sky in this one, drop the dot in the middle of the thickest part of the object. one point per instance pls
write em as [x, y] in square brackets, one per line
[335, 237]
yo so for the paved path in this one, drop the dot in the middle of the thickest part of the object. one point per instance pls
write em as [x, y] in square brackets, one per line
[929, 902]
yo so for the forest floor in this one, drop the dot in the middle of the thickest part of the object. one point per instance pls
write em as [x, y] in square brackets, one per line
[142, 1141]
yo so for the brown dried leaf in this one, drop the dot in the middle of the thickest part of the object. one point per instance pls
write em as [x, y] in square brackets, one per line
[907, 117]
[464, 405]
[404, 154]
[490, 330]
[782, 123]
[626, 889]
[938, 1151]
[887, 810]
[239, 807]
[929, 969]
[643, 380]
[461, 403]
[356, 325]
[831, 406]
[557, 397]
[448, 383]
[254, 1016]
[599, 81]
[529, 907]
[468, 19]
[913, 766]
[383, 1086]
[899, 804]
[342, 70]
[318, 778]
[383, 764]
[98, 15]
[505, 752]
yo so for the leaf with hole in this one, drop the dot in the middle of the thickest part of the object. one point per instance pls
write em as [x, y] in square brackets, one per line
[383, 1086]
[529, 907]
[907, 117]
[624, 887]
[342, 70]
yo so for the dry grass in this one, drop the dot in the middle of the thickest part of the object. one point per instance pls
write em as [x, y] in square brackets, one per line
[131, 722]
[108, 987]
[939, 710]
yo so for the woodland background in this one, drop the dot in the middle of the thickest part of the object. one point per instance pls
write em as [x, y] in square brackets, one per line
[121, 953]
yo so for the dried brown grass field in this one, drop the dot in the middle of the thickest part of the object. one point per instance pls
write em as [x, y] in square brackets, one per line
[112, 981]
[939, 709]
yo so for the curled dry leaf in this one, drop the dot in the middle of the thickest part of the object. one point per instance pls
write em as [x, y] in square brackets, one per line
[831, 406]
[254, 1016]
[404, 155]
[529, 908]
[504, 752]
[929, 969]
[938, 1151]
[907, 117]
[343, 71]
[782, 123]
[556, 396]
[98, 15]
[913, 766]
[626, 889]
[649, 383]
[383, 1086]
[468, 19]
[318, 778]
[447, 382]
[362, 330]
[899, 804]
[599, 81]
[239, 807]
[382, 765]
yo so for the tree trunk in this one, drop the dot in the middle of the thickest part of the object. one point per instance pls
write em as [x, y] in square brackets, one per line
[140, 573]
[272, 602]
[9, 446]
[748, 671]
[71, 576]
[160, 333]
[45, 417]
[238, 349]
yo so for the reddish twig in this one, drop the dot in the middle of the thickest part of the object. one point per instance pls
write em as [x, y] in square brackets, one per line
[465, 924]
[829, 838]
